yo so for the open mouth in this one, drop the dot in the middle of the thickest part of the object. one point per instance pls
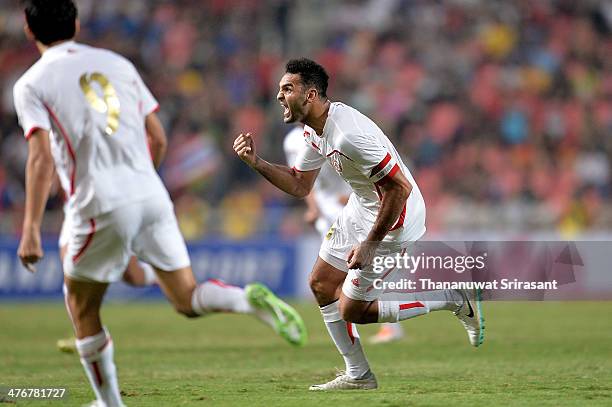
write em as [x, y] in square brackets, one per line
[286, 111]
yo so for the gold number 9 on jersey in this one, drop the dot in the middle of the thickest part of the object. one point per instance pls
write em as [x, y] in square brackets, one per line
[108, 104]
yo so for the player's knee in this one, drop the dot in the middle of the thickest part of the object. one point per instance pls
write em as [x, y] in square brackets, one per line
[322, 290]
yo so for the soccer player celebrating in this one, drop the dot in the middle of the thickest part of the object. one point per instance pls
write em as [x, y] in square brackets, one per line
[87, 111]
[385, 206]
[323, 205]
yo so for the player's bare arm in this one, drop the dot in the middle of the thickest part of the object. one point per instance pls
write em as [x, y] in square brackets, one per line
[395, 190]
[156, 136]
[39, 177]
[289, 180]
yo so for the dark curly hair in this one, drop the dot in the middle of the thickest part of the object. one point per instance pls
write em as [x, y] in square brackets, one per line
[51, 20]
[311, 74]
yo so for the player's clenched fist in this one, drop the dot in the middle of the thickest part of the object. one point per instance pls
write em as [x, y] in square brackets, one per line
[30, 250]
[244, 146]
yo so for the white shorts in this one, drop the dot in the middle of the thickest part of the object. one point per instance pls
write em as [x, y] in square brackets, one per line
[346, 232]
[99, 249]
[66, 226]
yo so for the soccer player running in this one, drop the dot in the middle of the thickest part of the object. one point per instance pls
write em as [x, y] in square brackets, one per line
[323, 206]
[384, 214]
[87, 111]
[136, 274]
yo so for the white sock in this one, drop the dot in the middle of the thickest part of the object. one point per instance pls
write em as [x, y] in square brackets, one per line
[415, 304]
[346, 338]
[150, 277]
[97, 358]
[216, 296]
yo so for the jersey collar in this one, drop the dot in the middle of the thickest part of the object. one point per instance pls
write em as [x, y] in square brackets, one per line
[54, 50]
[328, 125]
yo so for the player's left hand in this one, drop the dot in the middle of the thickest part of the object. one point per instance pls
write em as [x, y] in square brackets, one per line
[30, 249]
[361, 255]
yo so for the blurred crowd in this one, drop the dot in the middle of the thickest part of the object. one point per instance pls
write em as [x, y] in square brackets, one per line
[502, 109]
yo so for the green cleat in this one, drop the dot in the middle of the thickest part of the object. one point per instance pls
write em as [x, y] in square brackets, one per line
[282, 317]
[67, 345]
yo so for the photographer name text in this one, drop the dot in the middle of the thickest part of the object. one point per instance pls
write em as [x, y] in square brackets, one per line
[428, 284]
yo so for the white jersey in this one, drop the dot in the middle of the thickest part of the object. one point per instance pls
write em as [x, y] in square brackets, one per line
[363, 156]
[329, 188]
[94, 103]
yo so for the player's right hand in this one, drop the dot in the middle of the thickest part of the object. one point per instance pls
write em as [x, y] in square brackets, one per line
[244, 146]
[30, 250]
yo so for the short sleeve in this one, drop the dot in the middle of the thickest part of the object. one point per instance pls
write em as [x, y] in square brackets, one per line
[293, 144]
[308, 159]
[370, 157]
[30, 109]
[148, 102]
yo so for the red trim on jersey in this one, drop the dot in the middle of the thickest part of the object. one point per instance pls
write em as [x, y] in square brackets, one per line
[31, 131]
[379, 167]
[295, 169]
[88, 240]
[315, 146]
[68, 146]
[393, 171]
[390, 175]
[156, 109]
[97, 373]
[411, 305]
[349, 330]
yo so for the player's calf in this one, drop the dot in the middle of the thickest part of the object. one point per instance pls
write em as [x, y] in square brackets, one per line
[194, 300]
[83, 302]
[179, 287]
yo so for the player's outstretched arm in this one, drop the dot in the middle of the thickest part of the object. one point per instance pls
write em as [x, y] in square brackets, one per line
[156, 136]
[39, 176]
[395, 190]
[289, 180]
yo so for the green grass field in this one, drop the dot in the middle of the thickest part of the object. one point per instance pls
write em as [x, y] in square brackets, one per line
[541, 354]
